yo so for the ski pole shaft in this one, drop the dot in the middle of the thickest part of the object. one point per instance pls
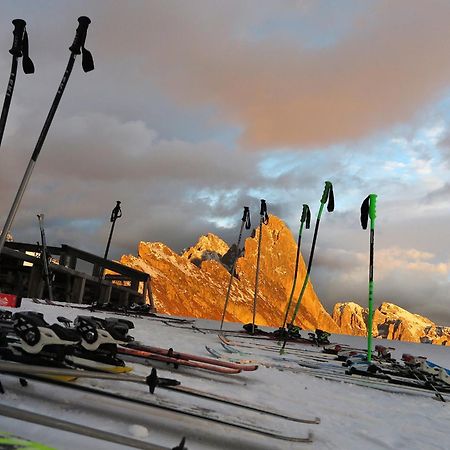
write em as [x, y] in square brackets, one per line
[305, 217]
[263, 219]
[75, 49]
[20, 40]
[115, 214]
[372, 215]
[72, 427]
[245, 222]
[8, 97]
[45, 256]
[327, 196]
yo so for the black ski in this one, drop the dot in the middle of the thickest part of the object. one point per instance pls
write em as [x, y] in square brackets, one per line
[191, 411]
[72, 427]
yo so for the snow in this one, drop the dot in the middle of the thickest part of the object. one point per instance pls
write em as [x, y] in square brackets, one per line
[352, 417]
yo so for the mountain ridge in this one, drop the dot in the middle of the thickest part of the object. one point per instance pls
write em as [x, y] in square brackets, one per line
[195, 283]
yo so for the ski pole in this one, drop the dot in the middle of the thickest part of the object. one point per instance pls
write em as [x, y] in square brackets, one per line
[76, 48]
[306, 217]
[368, 209]
[245, 221]
[18, 49]
[327, 196]
[116, 213]
[152, 380]
[25, 415]
[45, 257]
[264, 219]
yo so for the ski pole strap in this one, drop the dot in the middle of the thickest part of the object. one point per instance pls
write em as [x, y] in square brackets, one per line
[328, 195]
[246, 218]
[116, 212]
[306, 216]
[263, 213]
[77, 46]
[368, 209]
[20, 45]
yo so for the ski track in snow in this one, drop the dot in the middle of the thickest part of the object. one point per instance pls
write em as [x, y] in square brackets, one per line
[352, 417]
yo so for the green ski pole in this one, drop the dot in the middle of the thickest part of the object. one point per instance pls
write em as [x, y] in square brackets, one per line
[327, 196]
[368, 209]
[306, 217]
[245, 221]
[264, 219]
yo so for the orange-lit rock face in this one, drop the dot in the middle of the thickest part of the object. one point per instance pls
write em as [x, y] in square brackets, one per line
[390, 322]
[195, 283]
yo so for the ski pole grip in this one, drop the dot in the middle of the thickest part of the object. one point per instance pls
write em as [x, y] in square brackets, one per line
[326, 191]
[246, 213]
[80, 35]
[263, 209]
[373, 206]
[19, 28]
[306, 215]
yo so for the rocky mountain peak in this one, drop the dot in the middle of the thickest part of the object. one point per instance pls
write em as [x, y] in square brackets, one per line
[195, 283]
[390, 322]
[207, 247]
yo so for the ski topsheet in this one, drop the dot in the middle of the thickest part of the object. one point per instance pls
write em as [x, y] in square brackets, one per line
[10, 441]
[200, 413]
[189, 357]
[72, 427]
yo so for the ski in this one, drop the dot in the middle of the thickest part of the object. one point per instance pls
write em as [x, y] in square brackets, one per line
[11, 441]
[200, 413]
[152, 380]
[188, 357]
[45, 257]
[126, 353]
[72, 427]
[237, 403]
[120, 311]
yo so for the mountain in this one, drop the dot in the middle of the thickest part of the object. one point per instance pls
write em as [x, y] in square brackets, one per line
[390, 322]
[195, 283]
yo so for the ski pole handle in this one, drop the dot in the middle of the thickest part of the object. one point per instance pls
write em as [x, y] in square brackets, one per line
[372, 207]
[116, 212]
[19, 29]
[263, 212]
[306, 216]
[80, 35]
[328, 195]
[246, 217]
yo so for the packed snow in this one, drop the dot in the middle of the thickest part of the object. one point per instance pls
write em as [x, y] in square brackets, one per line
[352, 417]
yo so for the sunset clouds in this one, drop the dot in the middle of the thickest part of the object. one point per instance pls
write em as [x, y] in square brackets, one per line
[197, 108]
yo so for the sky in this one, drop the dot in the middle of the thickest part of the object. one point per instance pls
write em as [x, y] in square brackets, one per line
[198, 108]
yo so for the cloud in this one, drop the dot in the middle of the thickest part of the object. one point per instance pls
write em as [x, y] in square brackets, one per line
[413, 279]
[390, 63]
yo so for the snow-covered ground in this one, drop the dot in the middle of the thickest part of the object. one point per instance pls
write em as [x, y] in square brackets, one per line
[352, 417]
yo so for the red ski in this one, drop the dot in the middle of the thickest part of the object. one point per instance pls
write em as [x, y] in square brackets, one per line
[176, 362]
[188, 357]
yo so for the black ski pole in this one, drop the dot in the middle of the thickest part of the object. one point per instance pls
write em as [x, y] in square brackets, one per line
[264, 219]
[368, 209]
[304, 220]
[245, 221]
[116, 213]
[18, 49]
[45, 257]
[327, 196]
[88, 64]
